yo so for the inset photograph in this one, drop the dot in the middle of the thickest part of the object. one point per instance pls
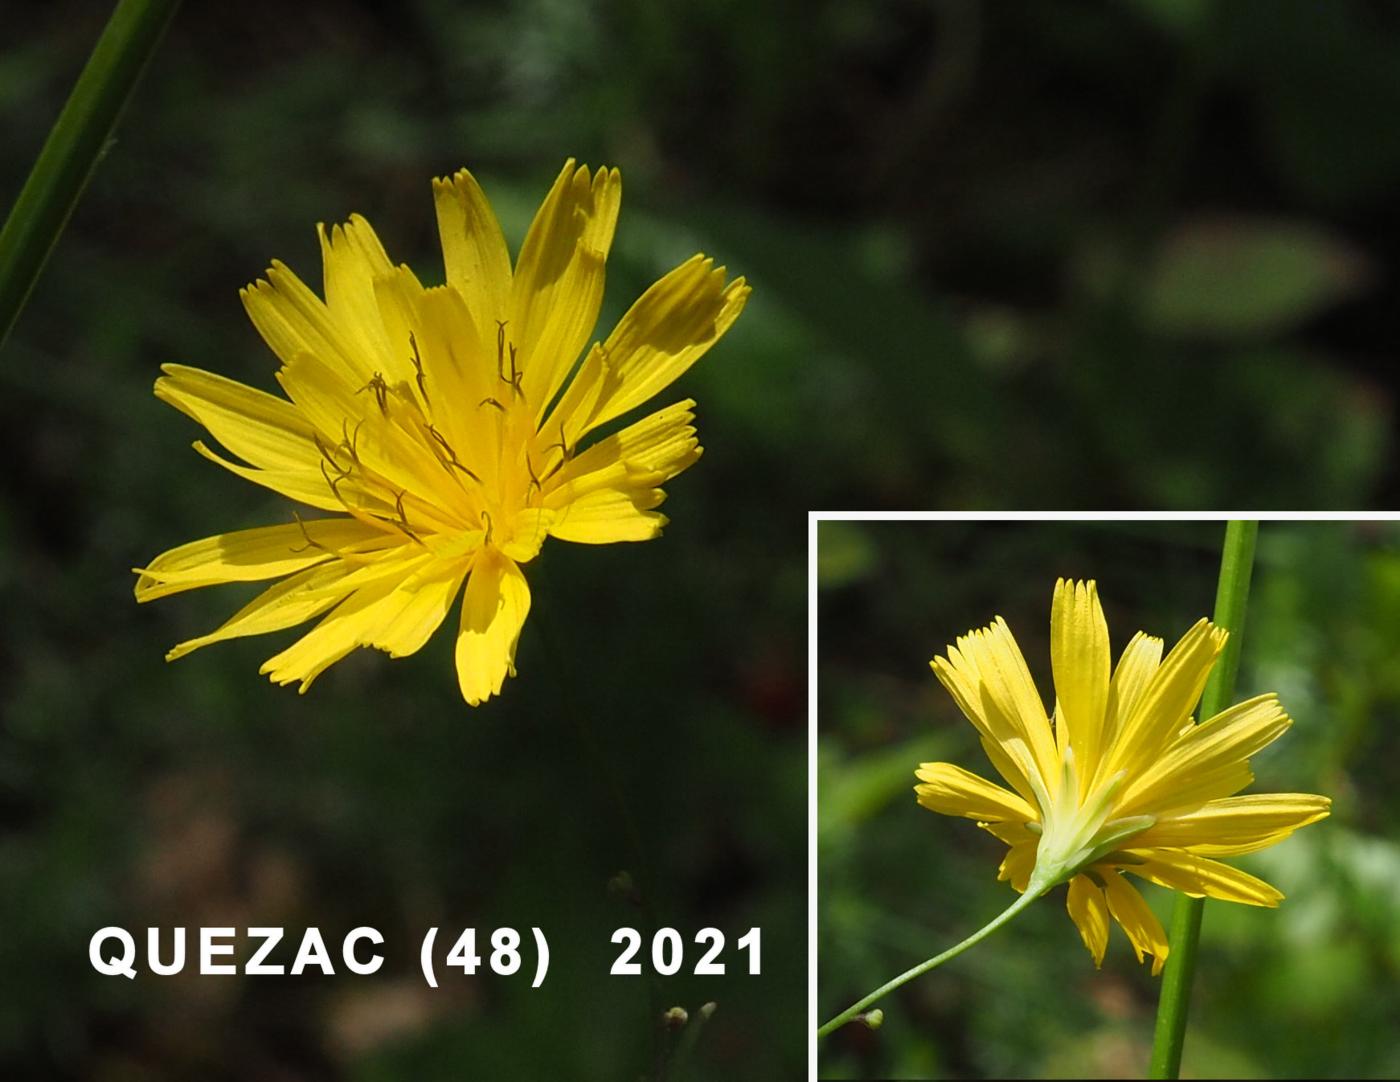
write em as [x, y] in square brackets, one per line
[1107, 799]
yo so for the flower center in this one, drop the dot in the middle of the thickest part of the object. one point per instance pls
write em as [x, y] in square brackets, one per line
[461, 477]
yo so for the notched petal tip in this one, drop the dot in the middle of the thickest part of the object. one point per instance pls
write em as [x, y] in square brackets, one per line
[451, 180]
[735, 295]
[603, 178]
[184, 649]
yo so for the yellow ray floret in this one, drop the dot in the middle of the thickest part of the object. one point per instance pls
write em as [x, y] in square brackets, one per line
[1118, 778]
[449, 430]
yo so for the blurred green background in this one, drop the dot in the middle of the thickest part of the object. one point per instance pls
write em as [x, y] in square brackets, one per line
[1307, 990]
[1101, 254]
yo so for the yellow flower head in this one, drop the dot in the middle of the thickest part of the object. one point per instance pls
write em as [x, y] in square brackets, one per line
[443, 430]
[1123, 779]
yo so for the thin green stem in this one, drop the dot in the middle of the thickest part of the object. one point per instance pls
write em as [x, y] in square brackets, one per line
[74, 146]
[1033, 892]
[1231, 599]
[690, 1037]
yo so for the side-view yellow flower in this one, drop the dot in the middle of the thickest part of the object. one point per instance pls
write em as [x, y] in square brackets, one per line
[443, 428]
[1120, 778]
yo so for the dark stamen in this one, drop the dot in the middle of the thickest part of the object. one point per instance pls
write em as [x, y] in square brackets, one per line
[418, 368]
[311, 543]
[381, 392]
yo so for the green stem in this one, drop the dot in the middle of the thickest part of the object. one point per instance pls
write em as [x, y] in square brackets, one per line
[74, 146]
[690, 1037]
[1033, 891]
[1231, 598]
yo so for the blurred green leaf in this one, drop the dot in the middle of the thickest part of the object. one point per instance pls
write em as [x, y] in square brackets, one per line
[1236, 278]
[1178, 17]
[844, 553]
[859, 788]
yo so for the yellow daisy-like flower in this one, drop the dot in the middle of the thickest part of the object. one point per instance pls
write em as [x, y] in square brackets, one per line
[1123, 779]
[443, 427]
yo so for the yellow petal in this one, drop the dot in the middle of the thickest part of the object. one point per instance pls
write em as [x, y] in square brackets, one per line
[1235, 825]
[998, 685]
[417, 609]
[1011, 757]
[356, 621]
[436, 379]
[397, 296]
[353, 258]
[329, 641]
[952, 790]
[1216, 749]
[308, 486]
[473, 248]
[1200, 877]
[1012, 833]
[267, 552]
[609, 516]
[460, 377]
[293, 320]
[1079, 659]
[1131, 911]
[667, 330]
[259, 428]
[1131, 677]
[642, 455]
[558, 284]
[290, 602]
[1089, 910]
[1167, 701]
[395, 564]
[1017, 865]
[493, 611]
[527, 534]
[1015, 770]
[387, 438]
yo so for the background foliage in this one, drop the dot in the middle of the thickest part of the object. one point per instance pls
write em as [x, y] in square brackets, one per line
[1102, 254]
[1304, 991]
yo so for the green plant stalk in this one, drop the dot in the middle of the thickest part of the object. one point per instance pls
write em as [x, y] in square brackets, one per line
[1231, 599]
[1033, 892]
[74, 146]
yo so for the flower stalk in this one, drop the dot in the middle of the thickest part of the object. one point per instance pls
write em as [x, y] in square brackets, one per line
[1231, 599]
[76, 142]
[1033, 892]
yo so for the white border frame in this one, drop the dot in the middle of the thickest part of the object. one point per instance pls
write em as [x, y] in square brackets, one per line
[815, 518]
